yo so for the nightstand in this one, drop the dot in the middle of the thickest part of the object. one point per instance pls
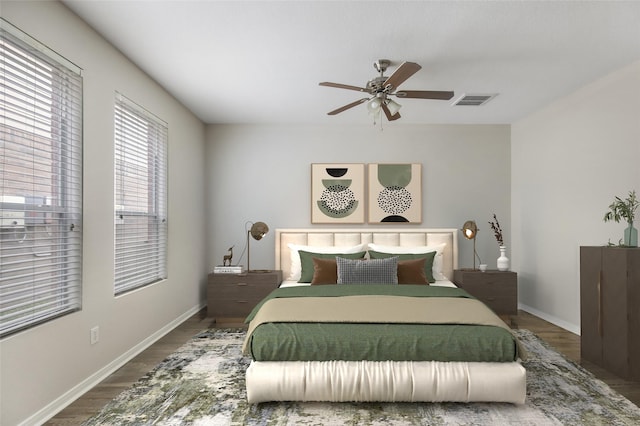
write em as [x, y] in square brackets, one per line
[497, 289]
[235, 295]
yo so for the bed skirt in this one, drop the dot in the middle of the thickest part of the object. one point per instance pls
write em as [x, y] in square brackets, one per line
[392, 381]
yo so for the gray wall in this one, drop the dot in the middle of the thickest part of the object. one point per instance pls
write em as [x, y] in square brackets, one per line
[262, 173]
[46, 367]
[569, 160]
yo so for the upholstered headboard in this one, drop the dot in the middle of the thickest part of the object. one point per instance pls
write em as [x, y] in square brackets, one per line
[350, 237]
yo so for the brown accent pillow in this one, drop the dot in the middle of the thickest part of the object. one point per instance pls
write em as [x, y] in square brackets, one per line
[412, 271]
[325, 271]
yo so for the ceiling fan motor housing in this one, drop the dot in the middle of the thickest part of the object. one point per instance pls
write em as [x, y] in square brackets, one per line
[376, 85]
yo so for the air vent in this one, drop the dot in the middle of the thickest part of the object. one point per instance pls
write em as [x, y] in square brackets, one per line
[473, 100]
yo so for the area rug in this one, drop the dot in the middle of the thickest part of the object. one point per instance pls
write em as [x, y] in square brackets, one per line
[202, 383]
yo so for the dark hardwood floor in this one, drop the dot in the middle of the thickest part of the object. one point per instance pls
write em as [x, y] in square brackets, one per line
[93, 401]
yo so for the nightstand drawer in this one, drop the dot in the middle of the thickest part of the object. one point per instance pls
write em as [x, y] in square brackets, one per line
[230, 308]
[502, 304]
[244, 290]
[235, 295]
[252, 278]
[497, 289]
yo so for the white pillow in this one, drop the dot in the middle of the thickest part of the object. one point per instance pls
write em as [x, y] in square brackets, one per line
[296, 265]
[437, 260]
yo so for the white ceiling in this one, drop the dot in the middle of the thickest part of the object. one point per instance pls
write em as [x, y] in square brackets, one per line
[261, 61]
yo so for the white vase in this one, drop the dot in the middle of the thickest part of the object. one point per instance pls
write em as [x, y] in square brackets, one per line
[503, 260]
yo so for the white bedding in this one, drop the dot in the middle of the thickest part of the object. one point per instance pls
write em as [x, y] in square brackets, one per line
[442, 283]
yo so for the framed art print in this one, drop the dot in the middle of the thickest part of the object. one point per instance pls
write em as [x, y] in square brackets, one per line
[395, 193]
[337, 193]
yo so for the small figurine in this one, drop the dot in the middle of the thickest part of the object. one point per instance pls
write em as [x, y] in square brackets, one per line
[228, 257]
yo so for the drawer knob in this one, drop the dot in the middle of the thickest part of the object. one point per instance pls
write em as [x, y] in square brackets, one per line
[242, 284]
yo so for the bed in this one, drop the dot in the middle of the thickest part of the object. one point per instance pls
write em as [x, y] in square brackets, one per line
[377, 342]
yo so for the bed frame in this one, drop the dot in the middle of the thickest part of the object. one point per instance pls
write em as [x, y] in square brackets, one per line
[411, 237]
[388, 380]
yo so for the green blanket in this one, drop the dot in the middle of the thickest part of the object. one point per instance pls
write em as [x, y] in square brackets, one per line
[362, 328]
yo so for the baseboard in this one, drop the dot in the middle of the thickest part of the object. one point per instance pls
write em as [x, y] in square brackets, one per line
[83, 387]
[575, 329]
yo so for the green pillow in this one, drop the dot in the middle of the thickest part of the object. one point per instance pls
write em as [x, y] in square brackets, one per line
[428, 264]
[306, 261]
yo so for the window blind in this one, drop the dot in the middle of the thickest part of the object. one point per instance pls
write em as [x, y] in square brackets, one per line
[140, 196]
[40, 183]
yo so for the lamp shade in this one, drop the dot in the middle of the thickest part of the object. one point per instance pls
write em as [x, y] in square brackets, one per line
[469, 230]
[374, 105]
[257, 231]
[393, 106]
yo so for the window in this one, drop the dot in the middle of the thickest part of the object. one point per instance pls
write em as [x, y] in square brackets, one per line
[40, 183]
[140, 197]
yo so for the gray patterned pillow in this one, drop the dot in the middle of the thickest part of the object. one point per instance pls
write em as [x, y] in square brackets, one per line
[374, 271]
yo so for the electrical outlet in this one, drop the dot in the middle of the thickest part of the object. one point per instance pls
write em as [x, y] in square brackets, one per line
[95, 335]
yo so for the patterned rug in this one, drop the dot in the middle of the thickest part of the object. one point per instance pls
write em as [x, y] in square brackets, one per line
[203, 384]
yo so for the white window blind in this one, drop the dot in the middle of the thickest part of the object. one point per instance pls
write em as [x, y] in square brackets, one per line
[140, 196]
[40, 183]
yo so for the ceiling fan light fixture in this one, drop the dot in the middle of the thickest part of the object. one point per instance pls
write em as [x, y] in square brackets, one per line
[374, 105]
[393, 106]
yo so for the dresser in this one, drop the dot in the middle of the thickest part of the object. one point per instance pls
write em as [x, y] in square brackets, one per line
[497, 289]
[235, 295]
[610, 309]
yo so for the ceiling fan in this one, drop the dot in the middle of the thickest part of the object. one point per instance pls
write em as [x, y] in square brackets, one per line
[381, 88]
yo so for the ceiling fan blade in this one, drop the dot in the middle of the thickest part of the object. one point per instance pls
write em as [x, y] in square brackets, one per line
[342, 86]
[399, 76]
[346, 107]
[388, 113]
[424, 94]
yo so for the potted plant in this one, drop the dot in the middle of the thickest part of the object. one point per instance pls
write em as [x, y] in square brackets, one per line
[625, 209]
